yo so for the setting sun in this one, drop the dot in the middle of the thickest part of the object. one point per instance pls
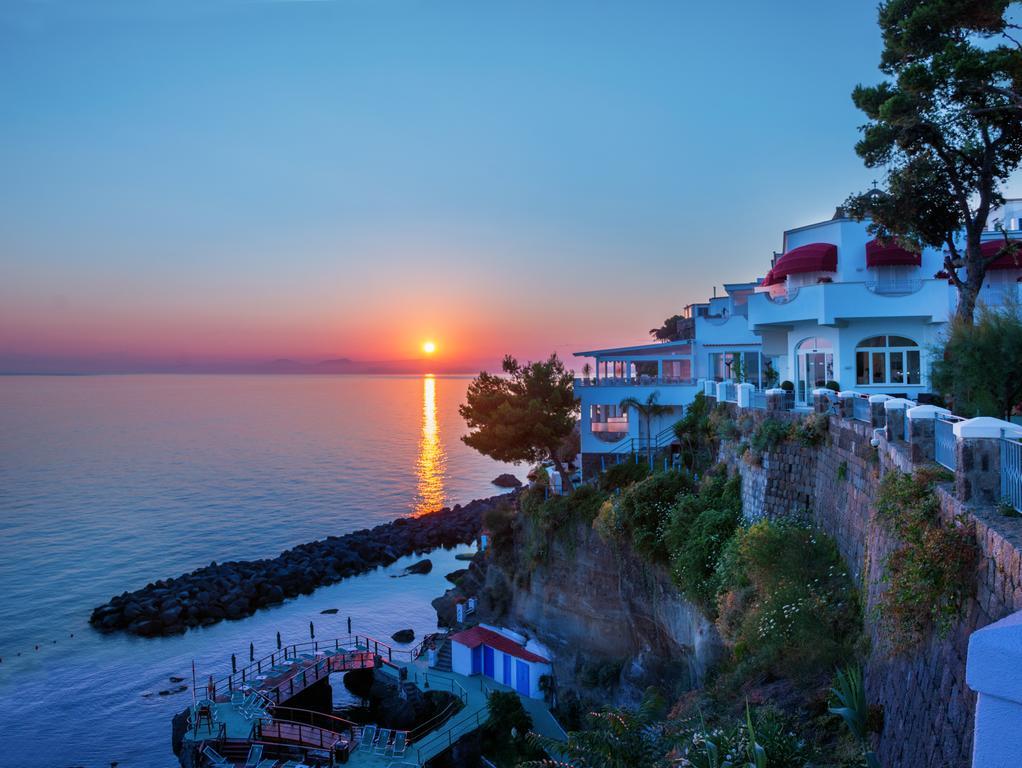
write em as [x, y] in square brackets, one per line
[428, 347]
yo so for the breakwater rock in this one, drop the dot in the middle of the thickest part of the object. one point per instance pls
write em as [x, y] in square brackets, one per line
[234, 590]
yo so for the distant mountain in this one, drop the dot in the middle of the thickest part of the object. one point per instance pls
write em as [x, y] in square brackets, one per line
[22, 364]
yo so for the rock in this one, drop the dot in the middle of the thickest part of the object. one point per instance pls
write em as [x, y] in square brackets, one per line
[329, 611]
[423, 566]
[176, 679]
[403, 636]
[506, 480]
[455, 576]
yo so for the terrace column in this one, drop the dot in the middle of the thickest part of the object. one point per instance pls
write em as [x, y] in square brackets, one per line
[894, 416]
[919, 431]
[659, 370]
[878, 418]
[994, 671]
[776, 399]
[745, 395]
[978, 458]
[847, 403]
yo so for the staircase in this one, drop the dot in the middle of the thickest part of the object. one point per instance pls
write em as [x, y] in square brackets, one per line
[443, 657]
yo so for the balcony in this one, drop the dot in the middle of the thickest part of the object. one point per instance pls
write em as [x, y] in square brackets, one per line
[638, 381]
[830, 303]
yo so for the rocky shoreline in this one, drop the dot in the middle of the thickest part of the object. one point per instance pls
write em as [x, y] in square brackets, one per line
[234, 590]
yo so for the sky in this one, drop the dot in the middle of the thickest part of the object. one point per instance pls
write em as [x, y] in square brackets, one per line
[245, 180]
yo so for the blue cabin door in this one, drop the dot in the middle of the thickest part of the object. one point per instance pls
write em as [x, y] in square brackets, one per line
[507, 670]
[521, 677]
[477, 659]
[488, 662]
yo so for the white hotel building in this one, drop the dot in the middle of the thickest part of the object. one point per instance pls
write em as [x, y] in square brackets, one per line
[834, 306]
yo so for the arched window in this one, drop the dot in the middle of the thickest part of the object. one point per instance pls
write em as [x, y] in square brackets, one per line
[887, 360]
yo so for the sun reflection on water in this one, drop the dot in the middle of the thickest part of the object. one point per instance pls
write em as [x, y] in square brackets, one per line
[432, 460]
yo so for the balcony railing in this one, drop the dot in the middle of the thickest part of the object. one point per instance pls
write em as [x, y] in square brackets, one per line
[894, 287]
[637, 381]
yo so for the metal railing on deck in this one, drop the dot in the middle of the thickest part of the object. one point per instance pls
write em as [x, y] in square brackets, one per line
[759, 400]
[944, 441]
[861, 410]
[1011, 471]
[635, 381]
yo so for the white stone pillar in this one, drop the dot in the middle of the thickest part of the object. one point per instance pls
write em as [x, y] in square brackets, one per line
[745, 395]
[878, 417]
[978, 457]
[994, 671]
[721, 391]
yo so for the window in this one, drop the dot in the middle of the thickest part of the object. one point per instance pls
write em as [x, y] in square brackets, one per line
[608, 422]
[887, 360]
[727, 366]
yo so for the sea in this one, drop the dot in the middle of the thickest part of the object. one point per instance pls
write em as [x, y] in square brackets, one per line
[110, 482]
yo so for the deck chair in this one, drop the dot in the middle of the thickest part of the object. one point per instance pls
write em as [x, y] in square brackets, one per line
[400, 743]
[268, 763]
[383, 741]
[237, 697]
[214, 757]
[255, 756]
[368, 736]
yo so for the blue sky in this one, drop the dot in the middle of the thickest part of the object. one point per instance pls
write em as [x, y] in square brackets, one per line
[253, 179]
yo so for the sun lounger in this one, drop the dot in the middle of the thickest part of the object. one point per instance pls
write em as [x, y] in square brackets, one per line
[214, 757]
[383, 741]
[255, 756]
[237, 697]
[268, 763]
[368, 737]
[400, 742]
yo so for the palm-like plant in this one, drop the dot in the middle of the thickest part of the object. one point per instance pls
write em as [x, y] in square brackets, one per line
[617, 738]
[648, 410]
[849, 691]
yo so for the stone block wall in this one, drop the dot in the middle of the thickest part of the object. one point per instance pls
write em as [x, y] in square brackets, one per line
[928, 708]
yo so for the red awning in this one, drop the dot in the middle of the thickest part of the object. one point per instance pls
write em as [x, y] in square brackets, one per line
[879, 254]
[1008, 260]
[814, 257]
[477, 636]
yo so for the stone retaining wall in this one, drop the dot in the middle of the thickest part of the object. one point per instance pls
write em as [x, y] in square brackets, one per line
[928, 709]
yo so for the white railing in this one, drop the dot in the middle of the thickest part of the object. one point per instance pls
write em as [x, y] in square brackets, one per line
[637, 381]
[894, 287]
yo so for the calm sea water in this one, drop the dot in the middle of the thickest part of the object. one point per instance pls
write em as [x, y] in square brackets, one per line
[109, 482]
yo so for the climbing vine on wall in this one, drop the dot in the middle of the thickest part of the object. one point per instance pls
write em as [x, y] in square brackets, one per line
[930, 576]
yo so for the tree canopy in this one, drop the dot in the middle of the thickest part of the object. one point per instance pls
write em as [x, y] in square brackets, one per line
[669, 331]
[947, 126]
[980, 370]
[524, 415]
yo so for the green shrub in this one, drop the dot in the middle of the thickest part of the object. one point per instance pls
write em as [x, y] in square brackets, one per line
[832, 385]
[700, 527]
[787, 386]
[727, 743]
[812, 429]
[930, 574]
[769, 434]
[787, 606]
[624, 474]
[645, 508]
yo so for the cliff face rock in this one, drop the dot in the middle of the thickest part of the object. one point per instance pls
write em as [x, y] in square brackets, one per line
[608, 617]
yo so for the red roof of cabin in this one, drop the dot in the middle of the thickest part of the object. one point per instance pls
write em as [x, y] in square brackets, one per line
[1008, 260]
[890, 254]
[813, 257]
[477, 636]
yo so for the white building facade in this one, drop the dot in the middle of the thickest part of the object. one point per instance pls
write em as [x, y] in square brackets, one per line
[501, 655]
[837, 308]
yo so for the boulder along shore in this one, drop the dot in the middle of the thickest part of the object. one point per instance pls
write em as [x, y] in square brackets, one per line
[234, 590]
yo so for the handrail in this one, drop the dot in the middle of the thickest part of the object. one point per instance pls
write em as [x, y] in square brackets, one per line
[290, 653]
[279, 724]
[448, 733]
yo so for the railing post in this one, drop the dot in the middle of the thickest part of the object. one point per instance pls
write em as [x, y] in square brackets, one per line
[846, 403]
[894, 416]
[978, 458]
[995, 655]
[776, 400]
[877, 415]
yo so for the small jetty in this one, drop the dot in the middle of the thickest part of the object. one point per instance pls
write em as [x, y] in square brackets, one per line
[260, 715]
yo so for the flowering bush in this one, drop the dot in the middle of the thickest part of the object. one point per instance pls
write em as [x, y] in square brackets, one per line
[930, 574]
[786, 605]
[645, 509]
